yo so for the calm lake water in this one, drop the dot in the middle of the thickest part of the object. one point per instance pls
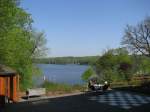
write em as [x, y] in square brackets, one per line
[69, 74]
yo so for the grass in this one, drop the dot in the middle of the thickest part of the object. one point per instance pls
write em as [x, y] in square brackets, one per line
[62, 88]
[57, 88]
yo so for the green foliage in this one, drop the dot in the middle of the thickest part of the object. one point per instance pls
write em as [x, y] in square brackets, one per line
[109, 66]
[125, 69]
[17, 40]
[108, 75]
[87, 74]
[142, 64]
[145, 65]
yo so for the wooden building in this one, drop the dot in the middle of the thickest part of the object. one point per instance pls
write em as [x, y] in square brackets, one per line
[9, 85]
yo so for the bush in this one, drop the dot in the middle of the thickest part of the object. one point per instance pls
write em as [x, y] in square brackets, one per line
[87, 74]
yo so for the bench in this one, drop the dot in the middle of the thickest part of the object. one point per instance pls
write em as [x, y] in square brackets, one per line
[35, 92]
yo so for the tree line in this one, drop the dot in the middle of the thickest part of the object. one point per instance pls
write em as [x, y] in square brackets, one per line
[86, 60]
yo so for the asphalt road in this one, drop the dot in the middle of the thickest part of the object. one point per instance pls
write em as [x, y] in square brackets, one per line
[112, 101]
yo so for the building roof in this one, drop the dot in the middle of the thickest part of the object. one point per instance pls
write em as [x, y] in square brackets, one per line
[6, 71]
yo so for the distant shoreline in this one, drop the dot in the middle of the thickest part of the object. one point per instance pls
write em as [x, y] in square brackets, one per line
[87, 60]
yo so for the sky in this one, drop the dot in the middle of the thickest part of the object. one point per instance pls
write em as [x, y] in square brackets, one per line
[84, 27]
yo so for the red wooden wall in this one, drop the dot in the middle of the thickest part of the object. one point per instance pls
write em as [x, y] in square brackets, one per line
[9, 86]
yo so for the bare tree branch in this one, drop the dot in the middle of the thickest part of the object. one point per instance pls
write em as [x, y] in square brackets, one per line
[137, 38]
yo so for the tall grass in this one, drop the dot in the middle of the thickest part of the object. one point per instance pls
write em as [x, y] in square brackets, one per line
[57, 87]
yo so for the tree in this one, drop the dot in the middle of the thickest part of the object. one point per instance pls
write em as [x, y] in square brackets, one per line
[38, 44]
[111, 66]
[137, 38]
[125, 69]
[106, 67]
[87, 74]
[17, 40]
[141, 64]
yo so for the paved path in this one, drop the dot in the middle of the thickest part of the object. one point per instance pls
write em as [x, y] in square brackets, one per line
[112, 101]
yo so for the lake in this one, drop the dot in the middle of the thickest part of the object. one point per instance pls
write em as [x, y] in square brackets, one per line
[69, 74]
